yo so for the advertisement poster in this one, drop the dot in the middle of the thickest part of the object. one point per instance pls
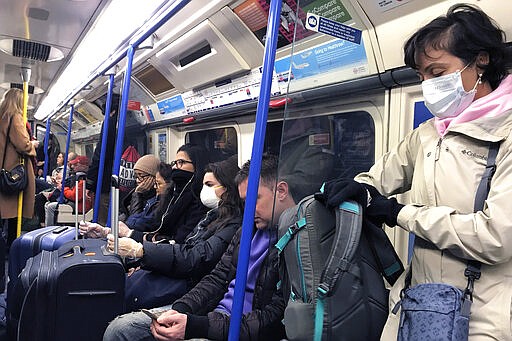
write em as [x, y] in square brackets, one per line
[322, 59]
[254, 13]
[173, 105]
[162, 146]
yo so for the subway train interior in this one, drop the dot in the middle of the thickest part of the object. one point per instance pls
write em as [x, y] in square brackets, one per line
[195, 72]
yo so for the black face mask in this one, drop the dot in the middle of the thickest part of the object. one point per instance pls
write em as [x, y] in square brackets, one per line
[181, 177]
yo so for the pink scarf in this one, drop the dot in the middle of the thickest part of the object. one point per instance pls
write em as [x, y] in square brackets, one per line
[494, 104]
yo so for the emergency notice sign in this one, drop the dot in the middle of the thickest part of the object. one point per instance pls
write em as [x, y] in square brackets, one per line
[333, 28]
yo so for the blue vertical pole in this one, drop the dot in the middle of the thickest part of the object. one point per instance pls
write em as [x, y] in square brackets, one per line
[103, 150]
[122, 115]
[68, 140]
[254, 170]
[46, 142]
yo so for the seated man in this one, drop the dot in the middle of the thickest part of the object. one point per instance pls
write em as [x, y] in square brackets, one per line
[78, 164]
[205, 311]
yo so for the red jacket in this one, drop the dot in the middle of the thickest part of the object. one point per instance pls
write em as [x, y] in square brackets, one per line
[70, 192]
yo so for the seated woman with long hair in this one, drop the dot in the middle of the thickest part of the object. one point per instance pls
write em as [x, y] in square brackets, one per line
[169, 270]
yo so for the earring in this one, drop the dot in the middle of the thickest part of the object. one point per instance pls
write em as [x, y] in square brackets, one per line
[480, 78]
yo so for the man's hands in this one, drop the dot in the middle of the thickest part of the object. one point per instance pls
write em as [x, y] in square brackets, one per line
[170, 326]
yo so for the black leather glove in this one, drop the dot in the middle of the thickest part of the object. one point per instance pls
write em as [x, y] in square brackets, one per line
[340, 190]
[383, 210]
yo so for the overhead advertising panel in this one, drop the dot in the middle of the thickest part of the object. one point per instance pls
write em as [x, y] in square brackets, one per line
[338, 60]
[173, 105]
[386, 5]
[254, 14]
[331, 9]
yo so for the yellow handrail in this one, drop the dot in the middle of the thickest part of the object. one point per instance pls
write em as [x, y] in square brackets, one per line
[20, 196]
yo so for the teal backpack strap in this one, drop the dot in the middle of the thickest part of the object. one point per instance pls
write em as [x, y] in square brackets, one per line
[292, 230]
[344, 246]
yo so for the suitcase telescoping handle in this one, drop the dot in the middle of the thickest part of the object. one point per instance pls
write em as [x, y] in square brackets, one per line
[114, 218]
[79, 176]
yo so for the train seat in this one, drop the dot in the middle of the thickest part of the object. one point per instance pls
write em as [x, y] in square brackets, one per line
[66, 215]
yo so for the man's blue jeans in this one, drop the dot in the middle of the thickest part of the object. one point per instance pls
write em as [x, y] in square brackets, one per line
[131, 327]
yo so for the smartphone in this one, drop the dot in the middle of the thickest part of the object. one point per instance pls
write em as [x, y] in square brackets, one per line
[154, 316]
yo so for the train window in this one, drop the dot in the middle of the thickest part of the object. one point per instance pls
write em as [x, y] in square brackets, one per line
[89, 150]
[316, 149]
[273, 134]
[40, 132]
[220, 143]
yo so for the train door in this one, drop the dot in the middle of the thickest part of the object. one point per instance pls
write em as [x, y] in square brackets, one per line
[407, 111]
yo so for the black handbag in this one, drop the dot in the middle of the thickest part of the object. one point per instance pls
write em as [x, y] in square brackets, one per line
[15, 180]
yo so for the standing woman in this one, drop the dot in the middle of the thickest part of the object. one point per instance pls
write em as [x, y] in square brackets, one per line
[463, 62]
[15, 145]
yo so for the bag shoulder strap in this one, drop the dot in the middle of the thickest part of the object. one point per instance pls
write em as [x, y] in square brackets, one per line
[485, 183]
[6, 140]
[344, 246]
[472, 271]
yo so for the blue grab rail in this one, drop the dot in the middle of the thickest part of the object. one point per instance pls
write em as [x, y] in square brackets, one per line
[103, 150]
[68, 140]
[254, 169]
[122, 119]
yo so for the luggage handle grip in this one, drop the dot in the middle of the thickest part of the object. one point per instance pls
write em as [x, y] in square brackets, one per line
[60, 229]
[77, 250]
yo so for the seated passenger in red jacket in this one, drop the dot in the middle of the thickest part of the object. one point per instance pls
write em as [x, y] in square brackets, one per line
[79, 165]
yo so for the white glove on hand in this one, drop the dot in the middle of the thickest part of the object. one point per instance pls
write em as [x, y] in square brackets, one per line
[92, 230]
[127, 247]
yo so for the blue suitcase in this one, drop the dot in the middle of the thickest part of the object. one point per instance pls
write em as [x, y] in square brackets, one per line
[33, 242]
[68, 294]
[47, 238]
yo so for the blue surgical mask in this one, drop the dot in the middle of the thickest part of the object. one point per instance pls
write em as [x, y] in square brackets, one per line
[445, 96]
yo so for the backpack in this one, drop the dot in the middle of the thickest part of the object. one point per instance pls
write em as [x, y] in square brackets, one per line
[332, 269]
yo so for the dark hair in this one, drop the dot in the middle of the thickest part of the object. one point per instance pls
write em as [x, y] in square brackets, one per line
[199, 159]
[268, 171]
[465, 31]
[230, 205]
[165, 171]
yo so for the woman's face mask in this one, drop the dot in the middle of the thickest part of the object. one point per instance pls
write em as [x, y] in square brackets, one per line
[181, 177]
[208, 197]
[445, 96]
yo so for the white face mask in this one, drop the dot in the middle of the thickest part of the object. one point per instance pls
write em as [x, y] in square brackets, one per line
[445, 96]
[209, 198]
